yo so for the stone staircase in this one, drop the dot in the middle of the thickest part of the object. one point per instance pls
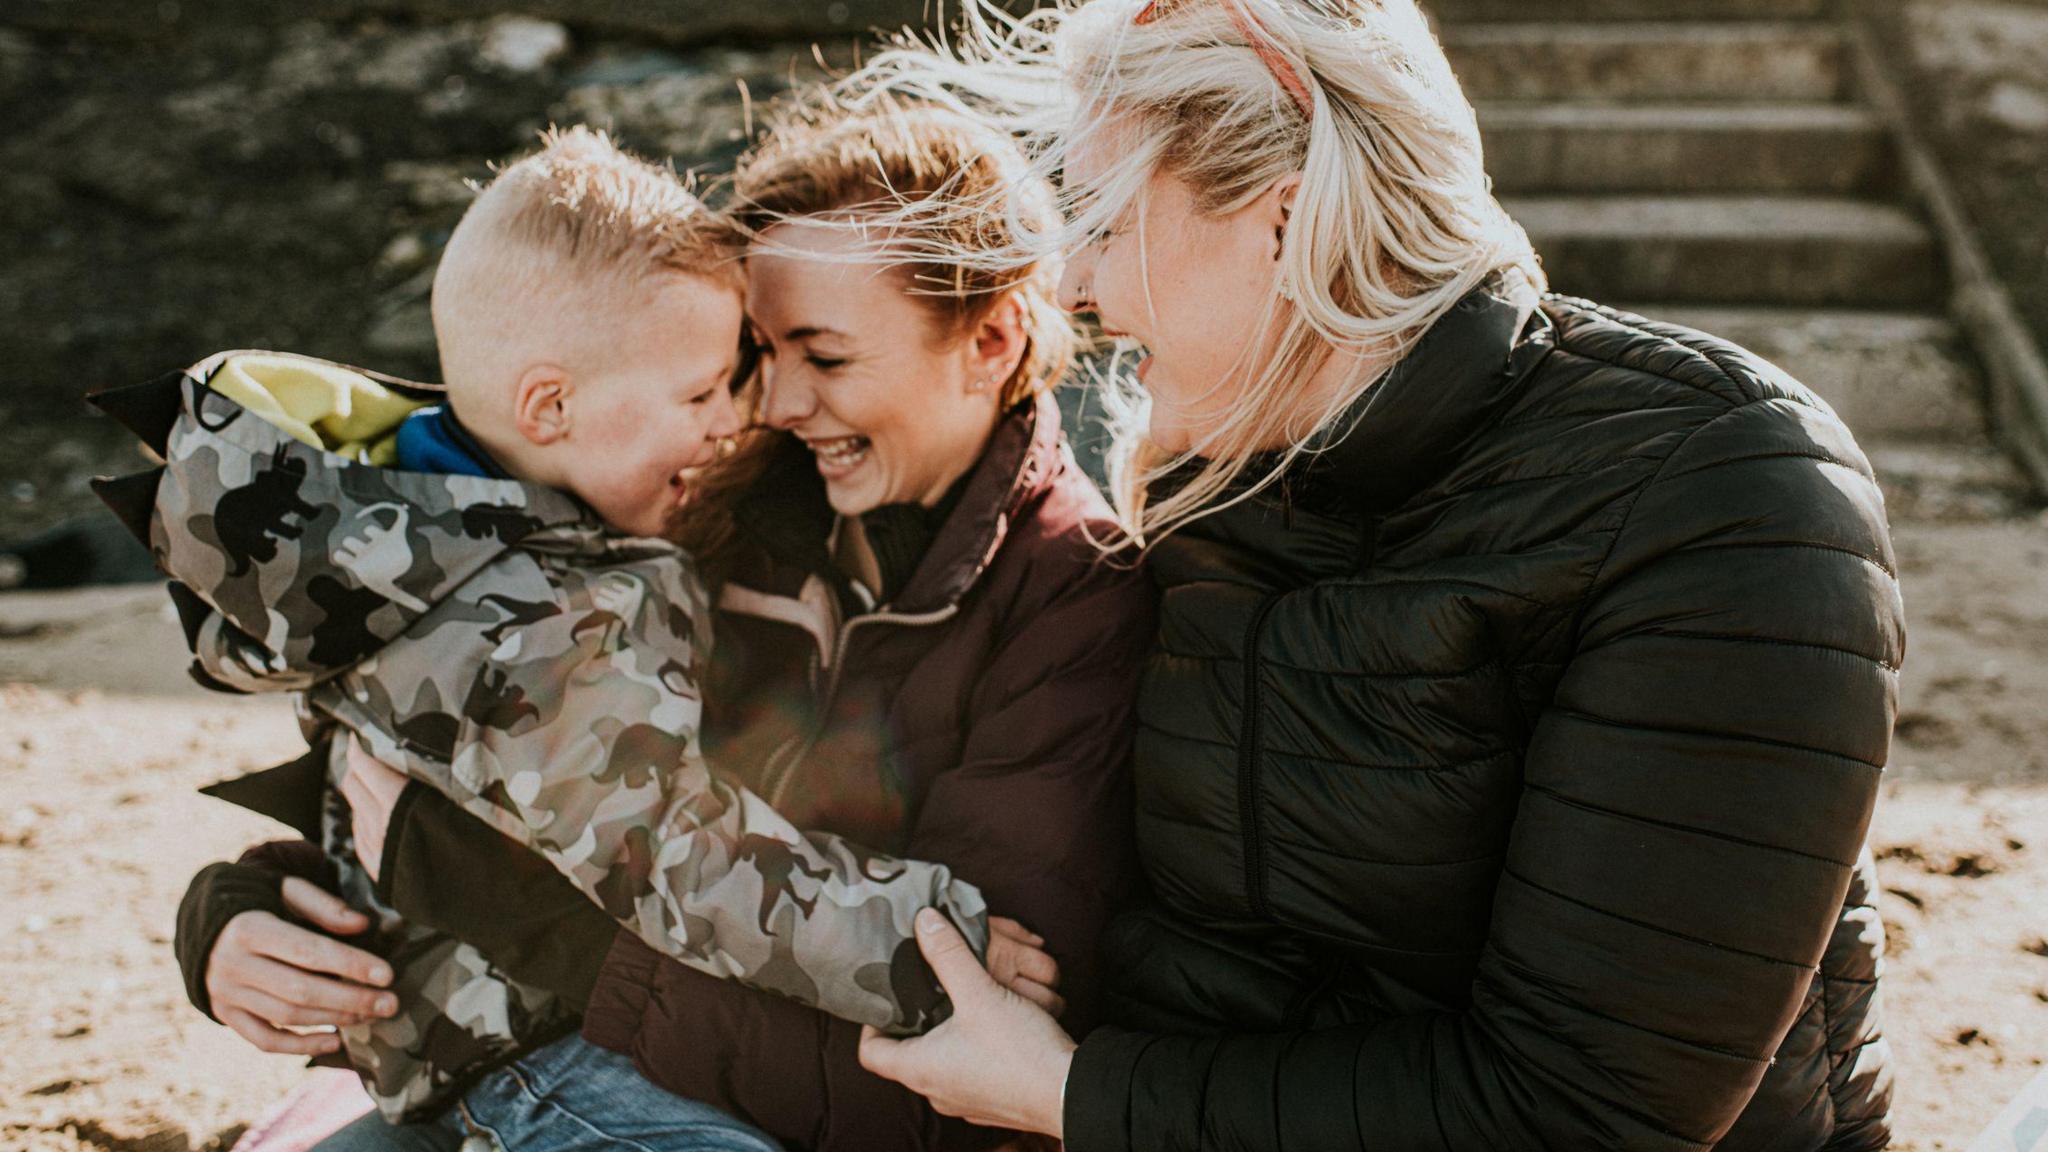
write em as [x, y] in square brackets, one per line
[1711, 162]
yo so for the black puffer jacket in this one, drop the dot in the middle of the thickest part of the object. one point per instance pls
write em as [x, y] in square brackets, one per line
[1504, 774]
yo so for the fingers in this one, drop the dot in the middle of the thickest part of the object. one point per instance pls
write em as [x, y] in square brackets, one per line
[324, 910]
[1054, 1004]
[296, 986]
[353, 789]
[269, 1039]
[381, 779]
[1032, 964]
[283, 1014]
[952, 961]
[369, 849]
[1015, 931]
[1010, 959]
[265, 935]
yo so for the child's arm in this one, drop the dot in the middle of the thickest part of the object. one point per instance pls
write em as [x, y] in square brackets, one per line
[576, 736]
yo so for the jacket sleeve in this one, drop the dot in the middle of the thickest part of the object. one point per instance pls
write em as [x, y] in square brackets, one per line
[1037, 814]
[446, 870]
[579, 741]
[1694, 802]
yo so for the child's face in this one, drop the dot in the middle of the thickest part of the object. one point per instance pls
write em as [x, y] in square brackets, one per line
[658, 408]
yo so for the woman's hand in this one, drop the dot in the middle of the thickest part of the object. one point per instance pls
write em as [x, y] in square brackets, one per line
[371, 788]
[267, 976]
[1000, 1061]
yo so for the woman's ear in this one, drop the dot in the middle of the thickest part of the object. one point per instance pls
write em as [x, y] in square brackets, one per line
[998, 345]
[1280, 207]
[540, 404]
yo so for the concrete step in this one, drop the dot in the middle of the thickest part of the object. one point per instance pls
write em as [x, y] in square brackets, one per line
[1807, 252]
[1950, 483]
[1893, 377]
[1452, 11]
[1696, 149]
[1669, 62]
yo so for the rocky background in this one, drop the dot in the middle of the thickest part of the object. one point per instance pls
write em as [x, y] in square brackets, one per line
[175, 185]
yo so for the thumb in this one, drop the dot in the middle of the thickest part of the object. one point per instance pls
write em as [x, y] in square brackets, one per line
[321, 908]
[952, 961]
[880, 1054]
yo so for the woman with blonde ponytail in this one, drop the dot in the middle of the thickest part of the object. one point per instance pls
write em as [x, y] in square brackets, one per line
[1525, 668]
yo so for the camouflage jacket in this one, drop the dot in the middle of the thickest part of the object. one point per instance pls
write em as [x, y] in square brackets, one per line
[491, 639]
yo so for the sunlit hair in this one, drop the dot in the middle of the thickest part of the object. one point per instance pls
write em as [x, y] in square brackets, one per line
[590, 203]
[826, 162]
[558, 246]
[1395, 221]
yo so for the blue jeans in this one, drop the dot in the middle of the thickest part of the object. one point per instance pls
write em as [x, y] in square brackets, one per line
[570, 1096]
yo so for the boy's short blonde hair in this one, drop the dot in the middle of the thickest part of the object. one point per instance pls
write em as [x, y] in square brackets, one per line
[558, 243]
[605, 211]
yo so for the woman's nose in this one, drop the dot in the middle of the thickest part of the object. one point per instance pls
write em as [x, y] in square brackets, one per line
[785, 402]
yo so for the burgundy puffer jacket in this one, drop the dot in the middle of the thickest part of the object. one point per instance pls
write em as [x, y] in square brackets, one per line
[981, 718]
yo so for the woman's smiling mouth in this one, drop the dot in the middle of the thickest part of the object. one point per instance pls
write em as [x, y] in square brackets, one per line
[840, 455]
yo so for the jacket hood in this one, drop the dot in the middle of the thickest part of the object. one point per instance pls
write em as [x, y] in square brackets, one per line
[267, 505]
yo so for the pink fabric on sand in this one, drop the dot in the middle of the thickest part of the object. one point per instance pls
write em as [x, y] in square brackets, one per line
[324, 1101]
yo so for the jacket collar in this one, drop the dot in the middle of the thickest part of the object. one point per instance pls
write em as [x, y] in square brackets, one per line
[787, 515]
[1413, 426]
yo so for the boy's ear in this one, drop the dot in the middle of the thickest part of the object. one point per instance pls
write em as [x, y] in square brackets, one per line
[540, 404]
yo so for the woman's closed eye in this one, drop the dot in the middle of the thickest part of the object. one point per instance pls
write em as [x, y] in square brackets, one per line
[824, 363]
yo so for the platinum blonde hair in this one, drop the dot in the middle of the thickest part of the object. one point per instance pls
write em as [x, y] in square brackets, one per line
[1395, 221]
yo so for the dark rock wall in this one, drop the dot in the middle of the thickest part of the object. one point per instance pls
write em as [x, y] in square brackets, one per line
[172, 184]
[687, 22]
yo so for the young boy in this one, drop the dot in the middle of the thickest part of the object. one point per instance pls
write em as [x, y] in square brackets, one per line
[480, 594]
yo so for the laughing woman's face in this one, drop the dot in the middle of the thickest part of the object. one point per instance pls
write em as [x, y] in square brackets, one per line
[1194, 290]
[893, 408]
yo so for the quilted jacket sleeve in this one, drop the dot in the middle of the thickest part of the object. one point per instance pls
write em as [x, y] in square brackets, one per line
[1695, 800]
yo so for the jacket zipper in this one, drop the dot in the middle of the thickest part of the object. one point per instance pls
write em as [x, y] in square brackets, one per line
[779, 785]
[1248, 765]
